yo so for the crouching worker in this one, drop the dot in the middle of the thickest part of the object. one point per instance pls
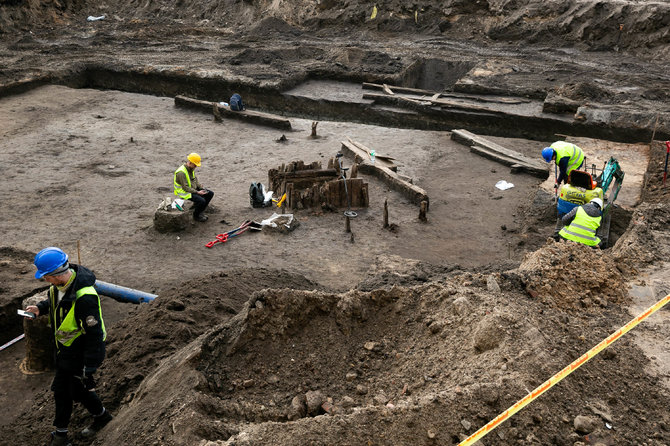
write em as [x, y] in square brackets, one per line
[73, 307]
[582, 223]
[187, 187]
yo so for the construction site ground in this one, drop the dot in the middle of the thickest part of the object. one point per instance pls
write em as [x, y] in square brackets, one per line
[418, 333]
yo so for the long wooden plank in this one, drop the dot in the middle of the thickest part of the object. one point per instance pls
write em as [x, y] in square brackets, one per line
[433, 94]
[493, 150]
[250, 116]
[414, 193]
[422, 105]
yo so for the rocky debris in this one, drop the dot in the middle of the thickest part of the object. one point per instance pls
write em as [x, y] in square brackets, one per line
[585, 424]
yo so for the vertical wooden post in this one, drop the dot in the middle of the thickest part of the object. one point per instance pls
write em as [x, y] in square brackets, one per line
[386, 213]
[78, 253]
[354, 171]
[347, 224]
[422, 211]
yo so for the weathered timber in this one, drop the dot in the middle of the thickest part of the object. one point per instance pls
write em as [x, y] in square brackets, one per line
[489, 149]
[309, 186]
[414, 193]
[253, 117]
[435, 95]
[386, 213]
[422, 212]
[429, 104]
[362, 155]
[400, 101]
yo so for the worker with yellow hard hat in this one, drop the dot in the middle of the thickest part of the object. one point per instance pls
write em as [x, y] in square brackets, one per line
[187, 186]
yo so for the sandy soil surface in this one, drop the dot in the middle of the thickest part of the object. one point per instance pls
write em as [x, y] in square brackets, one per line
[416, 335]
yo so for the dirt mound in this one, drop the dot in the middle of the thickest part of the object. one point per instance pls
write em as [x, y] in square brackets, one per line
[419, 365]
[622, 25]
[137, 344]
[572, 276]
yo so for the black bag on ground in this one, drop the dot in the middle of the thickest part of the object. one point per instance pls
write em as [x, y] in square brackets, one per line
[236, 103]
[256, 197]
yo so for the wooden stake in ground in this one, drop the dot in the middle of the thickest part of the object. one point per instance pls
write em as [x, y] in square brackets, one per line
[347, 224]
[422, 211]
[78, 253]
[314, 124]
[386, 213]
[216, 113]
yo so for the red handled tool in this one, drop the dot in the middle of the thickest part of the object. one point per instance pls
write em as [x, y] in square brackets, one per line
[223, 238]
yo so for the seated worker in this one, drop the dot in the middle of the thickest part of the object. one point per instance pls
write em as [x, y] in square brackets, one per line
[567, 156]
[187, 186]
[582, 223]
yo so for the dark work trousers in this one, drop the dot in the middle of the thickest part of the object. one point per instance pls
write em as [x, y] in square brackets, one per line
[201, 202]
[67, 388]
[559, 225]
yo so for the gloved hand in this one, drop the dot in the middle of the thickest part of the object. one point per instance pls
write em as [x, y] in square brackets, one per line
[88, 381]
[555, 185]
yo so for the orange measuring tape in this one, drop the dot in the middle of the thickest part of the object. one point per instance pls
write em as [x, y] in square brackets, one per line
[548, 384]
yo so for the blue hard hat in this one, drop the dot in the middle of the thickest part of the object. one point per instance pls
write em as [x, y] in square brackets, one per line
[547, 154]
[49, 260]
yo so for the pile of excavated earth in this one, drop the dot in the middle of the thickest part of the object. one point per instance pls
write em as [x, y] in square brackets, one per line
[411, 352]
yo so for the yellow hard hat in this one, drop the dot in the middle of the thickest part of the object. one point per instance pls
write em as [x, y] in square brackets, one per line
[194, 158]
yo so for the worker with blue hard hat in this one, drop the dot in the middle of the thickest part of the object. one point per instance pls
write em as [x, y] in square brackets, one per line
[567, 156]
[73, 307]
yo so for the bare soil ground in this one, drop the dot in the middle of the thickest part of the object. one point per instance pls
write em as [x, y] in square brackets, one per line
[419, 335]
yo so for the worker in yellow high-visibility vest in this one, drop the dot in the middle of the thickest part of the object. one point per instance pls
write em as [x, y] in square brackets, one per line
[187, 186]
[73, 307]
[567, 156]
[582, 223]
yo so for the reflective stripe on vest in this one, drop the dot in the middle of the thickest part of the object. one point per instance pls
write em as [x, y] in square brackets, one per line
[177, 187]
[582, 229]
[69, 330]
[574, 154]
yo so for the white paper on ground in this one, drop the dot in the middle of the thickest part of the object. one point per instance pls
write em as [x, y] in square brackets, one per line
[504, 185]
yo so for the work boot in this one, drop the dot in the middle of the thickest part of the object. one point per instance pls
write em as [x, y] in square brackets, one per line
[58, 440]
[98, 423]
[200, 217]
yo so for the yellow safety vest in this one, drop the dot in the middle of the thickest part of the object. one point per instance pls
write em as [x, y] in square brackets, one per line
[69, 329]
[177, 187]
[574, 153]
[582, 229]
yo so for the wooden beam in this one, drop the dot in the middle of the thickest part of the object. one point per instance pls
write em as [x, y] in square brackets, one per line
[253, 117]
[491, 150]
[414, 193]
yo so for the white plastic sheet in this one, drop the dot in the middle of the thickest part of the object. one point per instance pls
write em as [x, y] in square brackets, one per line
[504, 185]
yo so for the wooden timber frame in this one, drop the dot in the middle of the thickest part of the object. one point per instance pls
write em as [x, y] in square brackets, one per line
[224, 112]
[360, 154]
[310, 186]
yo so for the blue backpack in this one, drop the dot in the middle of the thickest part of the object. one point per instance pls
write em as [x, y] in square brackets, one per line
[236, 103]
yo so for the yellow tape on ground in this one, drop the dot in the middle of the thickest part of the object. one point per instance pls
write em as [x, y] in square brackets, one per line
[548, 384]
